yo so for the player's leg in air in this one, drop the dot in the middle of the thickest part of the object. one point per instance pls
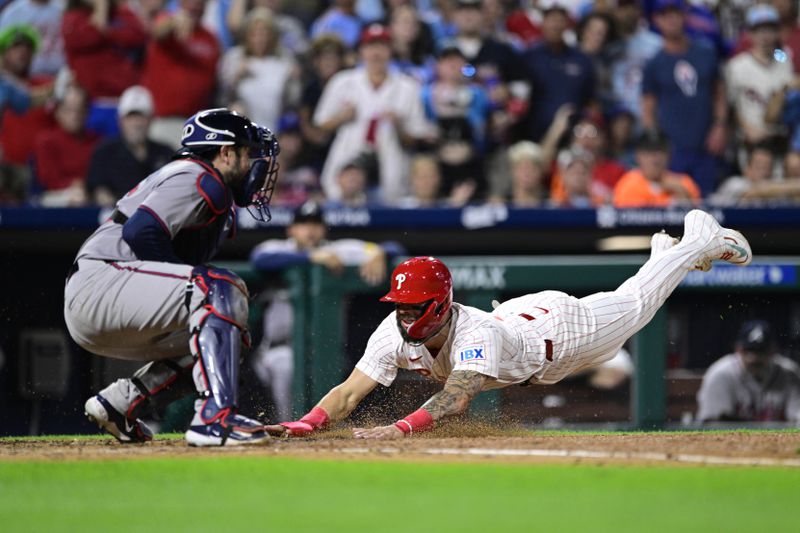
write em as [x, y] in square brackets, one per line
[610, 318]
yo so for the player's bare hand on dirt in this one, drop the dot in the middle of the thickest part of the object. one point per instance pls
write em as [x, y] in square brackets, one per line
[378, 433]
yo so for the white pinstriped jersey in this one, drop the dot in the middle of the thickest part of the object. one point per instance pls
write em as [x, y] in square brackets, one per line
[501, 348]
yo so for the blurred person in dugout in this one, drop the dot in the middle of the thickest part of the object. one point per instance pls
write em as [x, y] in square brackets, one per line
[752, 384]
[306, 243]
[119, 163]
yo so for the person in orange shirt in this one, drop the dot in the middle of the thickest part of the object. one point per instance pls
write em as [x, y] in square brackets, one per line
[651, 184]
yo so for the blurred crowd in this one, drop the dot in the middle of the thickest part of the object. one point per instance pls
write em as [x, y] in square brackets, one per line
[412, 103]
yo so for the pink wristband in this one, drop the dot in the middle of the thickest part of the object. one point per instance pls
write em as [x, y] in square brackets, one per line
[419, 420]
[316, 418]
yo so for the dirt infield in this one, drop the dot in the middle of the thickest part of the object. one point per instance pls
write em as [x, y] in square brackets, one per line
[780, 448]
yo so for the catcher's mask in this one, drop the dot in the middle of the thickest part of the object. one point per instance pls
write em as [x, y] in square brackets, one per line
[212, 128]
[422, 291]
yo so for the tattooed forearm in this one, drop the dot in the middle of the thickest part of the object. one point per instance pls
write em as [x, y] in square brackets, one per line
[460, 388]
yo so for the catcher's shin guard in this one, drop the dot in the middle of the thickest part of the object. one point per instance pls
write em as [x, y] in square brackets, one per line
[218, 328]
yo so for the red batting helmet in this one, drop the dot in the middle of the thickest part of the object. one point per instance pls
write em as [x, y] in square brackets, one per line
[425, 281]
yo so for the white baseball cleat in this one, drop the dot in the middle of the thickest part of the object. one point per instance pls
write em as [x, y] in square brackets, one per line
[663, 241]
[125, 430]
[732, 245]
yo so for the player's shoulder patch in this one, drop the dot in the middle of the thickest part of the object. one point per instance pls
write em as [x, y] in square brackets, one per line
[475, 352]
[214, 191]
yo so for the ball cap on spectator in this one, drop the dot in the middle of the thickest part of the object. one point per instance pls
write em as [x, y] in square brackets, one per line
[548, 6]
[19, 34]
[309, 211]
[756, 336]
[660, 6]
[135, 99]
[762, 15]
[376, 33]
[653, 141]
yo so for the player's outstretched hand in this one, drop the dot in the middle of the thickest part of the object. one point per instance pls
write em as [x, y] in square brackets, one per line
[381, 432]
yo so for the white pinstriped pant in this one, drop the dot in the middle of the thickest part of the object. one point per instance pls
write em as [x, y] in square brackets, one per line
[591, 330]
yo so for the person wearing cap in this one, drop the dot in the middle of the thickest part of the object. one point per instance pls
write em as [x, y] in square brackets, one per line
[753, 384]
[18, 90]
[45, 17]
[651, 184]
[758, 76]
[119, 163]
[306, 243]
[340, 20]
[558, 72]
[684, 95]
[23, 114]
[372, 110]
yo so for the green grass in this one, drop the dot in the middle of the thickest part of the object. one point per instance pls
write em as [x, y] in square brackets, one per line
[247, 493]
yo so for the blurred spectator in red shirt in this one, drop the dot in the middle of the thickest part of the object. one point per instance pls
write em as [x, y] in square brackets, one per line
[181, 69]
[104, 42]
[61, 154]
[19, 126]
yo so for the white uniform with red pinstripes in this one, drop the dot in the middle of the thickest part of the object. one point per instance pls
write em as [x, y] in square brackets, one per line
[545, 336]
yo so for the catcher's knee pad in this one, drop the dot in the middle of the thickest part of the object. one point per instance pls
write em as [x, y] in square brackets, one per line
[225, 296]
[218, 328]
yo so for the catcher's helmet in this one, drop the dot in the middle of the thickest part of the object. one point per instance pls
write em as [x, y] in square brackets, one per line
[425, 281]
[212, 128]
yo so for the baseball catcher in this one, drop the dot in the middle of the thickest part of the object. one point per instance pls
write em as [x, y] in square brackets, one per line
[140, 288]
[536, 338]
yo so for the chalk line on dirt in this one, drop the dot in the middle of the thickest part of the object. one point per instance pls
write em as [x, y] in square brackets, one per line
[586, 454]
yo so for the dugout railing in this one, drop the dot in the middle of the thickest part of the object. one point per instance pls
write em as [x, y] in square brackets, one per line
[319, 298]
